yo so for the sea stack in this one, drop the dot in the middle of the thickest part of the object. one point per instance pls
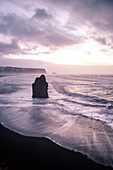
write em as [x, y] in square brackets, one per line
[40, 87]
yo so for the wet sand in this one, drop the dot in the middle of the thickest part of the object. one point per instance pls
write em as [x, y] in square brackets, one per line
[22, 152]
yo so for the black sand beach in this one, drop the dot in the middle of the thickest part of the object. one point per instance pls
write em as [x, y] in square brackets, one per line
[21, 152]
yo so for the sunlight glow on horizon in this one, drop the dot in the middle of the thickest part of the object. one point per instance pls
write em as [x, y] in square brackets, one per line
[87, 53]
[56, 32]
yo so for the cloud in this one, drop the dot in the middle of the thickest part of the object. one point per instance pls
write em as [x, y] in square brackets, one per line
[98, 13]
[11, 48]
[40, 33]
[56, 24]
[13, 25]
[14, 48]
[60, 40]
[101, 40]
[104, 50]
[42, 14]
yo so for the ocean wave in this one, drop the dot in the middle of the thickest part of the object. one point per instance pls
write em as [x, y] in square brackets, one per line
[85, 104]
[110, 107]
[9, 88]
[90, 98]
[72, 117]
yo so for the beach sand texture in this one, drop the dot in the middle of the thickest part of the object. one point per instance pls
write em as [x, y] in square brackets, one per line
[20, 152]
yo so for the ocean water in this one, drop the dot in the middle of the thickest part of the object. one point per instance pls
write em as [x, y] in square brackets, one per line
[77, 115]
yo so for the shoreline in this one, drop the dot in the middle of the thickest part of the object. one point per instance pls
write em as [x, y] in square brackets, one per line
[23, 152]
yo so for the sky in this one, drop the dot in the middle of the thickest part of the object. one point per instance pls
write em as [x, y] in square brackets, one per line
[65, 32]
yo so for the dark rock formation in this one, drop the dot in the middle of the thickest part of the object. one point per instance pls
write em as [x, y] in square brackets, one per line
[40, 87]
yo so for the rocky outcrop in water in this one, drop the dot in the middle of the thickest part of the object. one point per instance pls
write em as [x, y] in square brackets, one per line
[40, 87]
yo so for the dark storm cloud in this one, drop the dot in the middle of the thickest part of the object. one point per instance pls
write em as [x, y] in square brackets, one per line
[42, 26]
[104, 41]
[20, 28]
[99, 13]
[14, 48]
[42, 14]
[35, 32]
[11, 48]
[61, 40]
[101, 40]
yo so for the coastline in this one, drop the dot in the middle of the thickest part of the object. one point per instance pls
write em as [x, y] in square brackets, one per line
[23, 152]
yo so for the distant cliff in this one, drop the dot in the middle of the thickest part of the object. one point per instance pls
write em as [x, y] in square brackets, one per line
[21, 70]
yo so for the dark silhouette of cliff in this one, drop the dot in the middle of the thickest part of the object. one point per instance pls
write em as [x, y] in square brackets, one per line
[21, 70]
